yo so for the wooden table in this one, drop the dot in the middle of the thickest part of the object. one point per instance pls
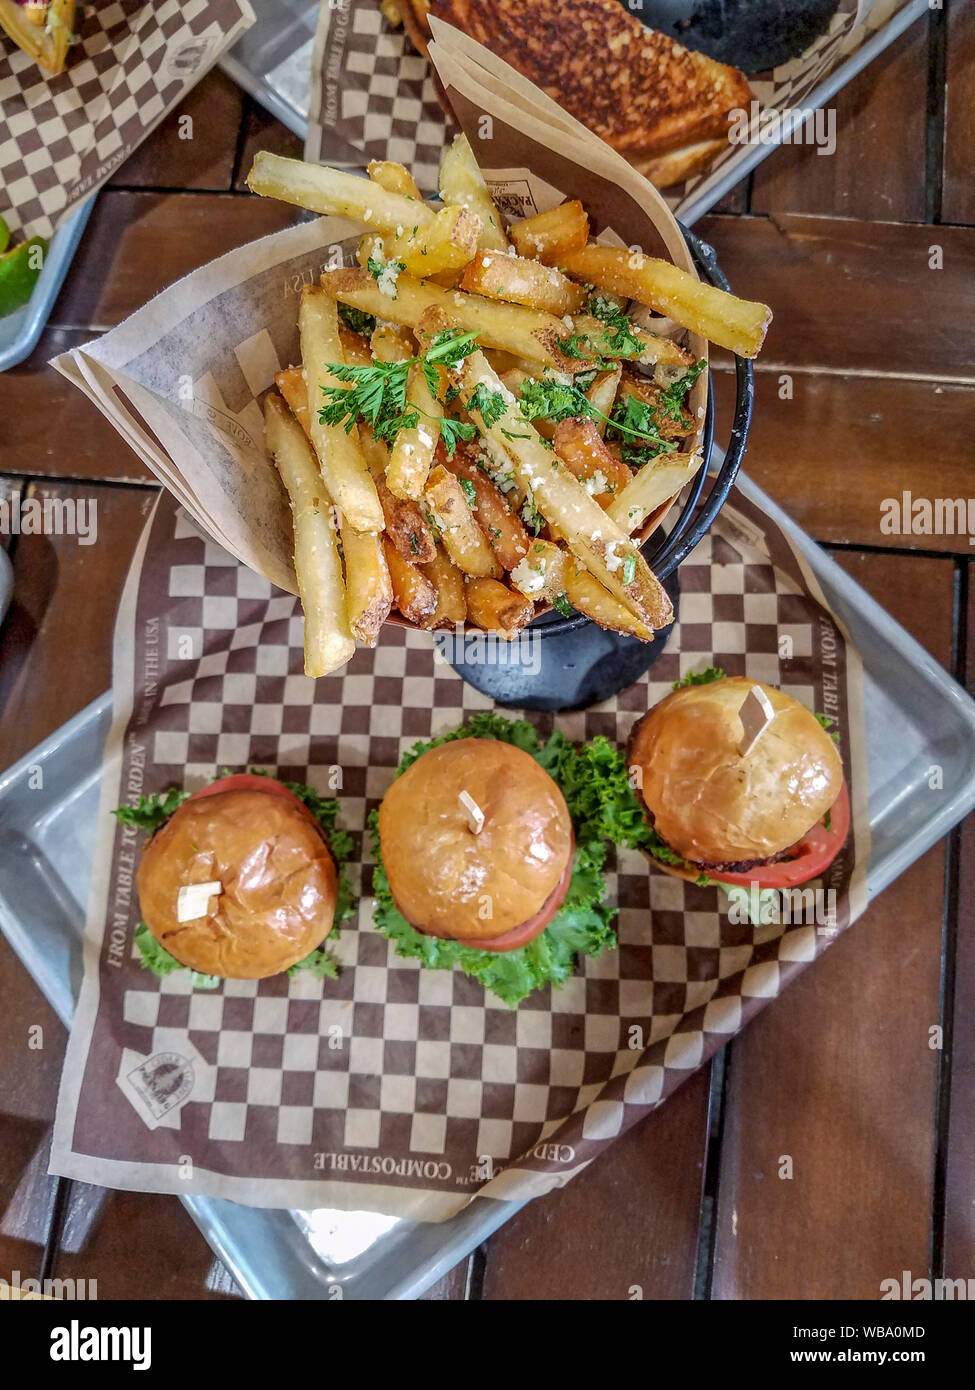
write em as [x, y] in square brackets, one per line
[866, 388]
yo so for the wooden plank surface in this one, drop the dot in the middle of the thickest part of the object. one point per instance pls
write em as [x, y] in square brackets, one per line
[855, 296]
[51, 429]
[190, 148]
[958, 194]
[625, 1228]
[832, 448]
[138, 243]
[838, 1074]
[880, 132]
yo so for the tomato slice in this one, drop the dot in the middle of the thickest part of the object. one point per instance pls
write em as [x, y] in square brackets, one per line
[812, 855]
[247, 782]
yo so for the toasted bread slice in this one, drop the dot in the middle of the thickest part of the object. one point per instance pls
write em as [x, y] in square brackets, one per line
[639, 90]
[675, 166]
[41, 28]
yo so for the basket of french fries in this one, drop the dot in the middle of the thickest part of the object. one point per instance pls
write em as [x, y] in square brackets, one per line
[488, 419]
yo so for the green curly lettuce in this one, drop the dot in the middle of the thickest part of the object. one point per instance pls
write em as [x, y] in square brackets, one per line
[152, 812]
[603, 809]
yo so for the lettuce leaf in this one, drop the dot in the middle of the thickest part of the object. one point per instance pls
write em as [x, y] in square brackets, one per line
[604, 809]
[150, 813]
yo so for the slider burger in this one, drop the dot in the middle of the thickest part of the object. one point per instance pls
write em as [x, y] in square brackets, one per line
[740, 784]
[240, 880]
[486, 862]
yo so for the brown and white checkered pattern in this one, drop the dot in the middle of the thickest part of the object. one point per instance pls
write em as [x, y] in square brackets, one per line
[62, 137]
[392, 1059]
[373, 96]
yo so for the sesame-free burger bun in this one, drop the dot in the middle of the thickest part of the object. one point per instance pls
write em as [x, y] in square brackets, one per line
[277, 874]
[714, 806]
[449, 882]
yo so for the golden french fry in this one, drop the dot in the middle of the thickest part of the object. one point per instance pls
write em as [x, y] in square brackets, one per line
[648, 393]
[395, 178]
[406, 525]
[593, 537]
[369, 590]
[448, 581]
[335, 192]
[369, 594]
[656, 482]
[412, 451]
[581, 448]
[552, 235]
[414, 595]
[504, 529]
[444, 245]
[495, 608]
[519, 281]
[588, 596]
[355, 347]
[526, 333]
[668, 359]
[736, 324]
[389, 343]
[602, 394]
[328, 637]
[462, 183]
[343, 467]
[463, 539]
[543, 573]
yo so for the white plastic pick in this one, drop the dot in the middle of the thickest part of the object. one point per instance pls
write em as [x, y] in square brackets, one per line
[475, 816]
[756, 714]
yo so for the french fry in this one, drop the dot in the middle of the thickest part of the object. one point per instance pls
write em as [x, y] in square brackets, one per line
[594, 538]
[552, 235]
[462, 183]
[504, 529]
[395, 178]
[526, 333]
[335, 192]
[411, 455]
[588, 596]
[656, 482]
[448, 581]
[343, 467]
[328, 638]
[647, 392]
[369, 595]
[543, 574]
[414, 595]
[444, 245]
[368, 587]
[519, 281]
[406, 525]
[602, 394]
[669, 360]
[355, 347]
[581, 448]
[736, 324]
[495, 608]
[463, 539]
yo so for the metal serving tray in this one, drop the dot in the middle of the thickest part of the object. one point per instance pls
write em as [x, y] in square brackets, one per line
[273, 63]
[915, 714]
[20, 331]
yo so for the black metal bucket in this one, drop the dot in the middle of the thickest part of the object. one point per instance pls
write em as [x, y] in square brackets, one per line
[570, 663]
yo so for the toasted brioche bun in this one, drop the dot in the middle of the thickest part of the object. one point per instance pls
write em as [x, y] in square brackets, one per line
[278, 877]
[714, 806]
[446, 880]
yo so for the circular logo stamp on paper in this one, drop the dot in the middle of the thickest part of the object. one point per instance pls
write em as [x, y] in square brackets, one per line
[162, 1082]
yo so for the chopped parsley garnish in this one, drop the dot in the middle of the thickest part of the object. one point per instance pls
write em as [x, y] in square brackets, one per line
[629, 568]
[357, 319]
[562, 604]
[619, 340]
[490, 405]
[469, 491]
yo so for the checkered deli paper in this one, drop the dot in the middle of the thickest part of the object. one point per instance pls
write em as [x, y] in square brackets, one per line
[62, 137]
[397, 1088]
[373, 95]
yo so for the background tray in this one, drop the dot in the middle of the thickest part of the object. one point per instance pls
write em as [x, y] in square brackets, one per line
[19, 332]
[273, 63]
[916, 715]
